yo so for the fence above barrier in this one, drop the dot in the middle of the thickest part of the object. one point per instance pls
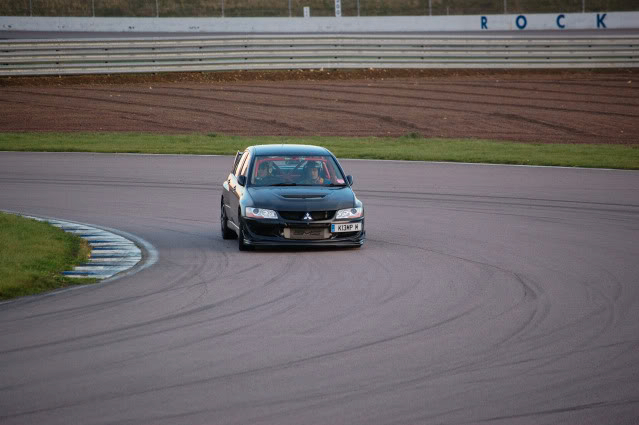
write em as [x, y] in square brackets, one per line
[289, 8]
[139, 55]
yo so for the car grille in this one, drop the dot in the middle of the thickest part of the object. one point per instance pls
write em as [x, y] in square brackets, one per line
[299, 215]
[309, 233]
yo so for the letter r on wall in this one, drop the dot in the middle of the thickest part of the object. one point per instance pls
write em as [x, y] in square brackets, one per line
[484, 22]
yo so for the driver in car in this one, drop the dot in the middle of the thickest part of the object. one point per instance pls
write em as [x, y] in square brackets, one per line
[312, 173]
[264, 176]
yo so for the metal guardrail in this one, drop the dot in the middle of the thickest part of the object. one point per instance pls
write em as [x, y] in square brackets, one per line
[137, 55]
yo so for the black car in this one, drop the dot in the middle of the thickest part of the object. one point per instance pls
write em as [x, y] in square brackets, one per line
[290, 195]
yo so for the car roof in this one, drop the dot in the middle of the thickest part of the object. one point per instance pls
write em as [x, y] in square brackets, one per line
[289, 150]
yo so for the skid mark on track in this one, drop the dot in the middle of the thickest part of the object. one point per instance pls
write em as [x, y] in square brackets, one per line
[271, 304]
[569, 409]
[114, 396]
[532, 293]
[162, 319]
[106, 183]
[507, 200]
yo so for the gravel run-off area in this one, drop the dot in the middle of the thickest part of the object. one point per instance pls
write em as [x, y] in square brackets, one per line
[561, 106]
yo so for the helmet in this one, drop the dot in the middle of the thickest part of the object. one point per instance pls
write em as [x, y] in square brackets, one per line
[311, 164]
[263, 166]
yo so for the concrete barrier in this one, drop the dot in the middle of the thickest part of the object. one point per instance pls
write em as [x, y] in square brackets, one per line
[397, 24]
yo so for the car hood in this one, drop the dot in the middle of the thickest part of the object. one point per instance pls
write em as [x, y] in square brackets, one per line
[303, 198]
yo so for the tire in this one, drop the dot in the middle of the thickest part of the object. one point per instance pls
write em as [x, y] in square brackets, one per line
[240, 237]
[226, 232]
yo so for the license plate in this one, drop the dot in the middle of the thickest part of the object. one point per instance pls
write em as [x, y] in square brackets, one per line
[346, 227]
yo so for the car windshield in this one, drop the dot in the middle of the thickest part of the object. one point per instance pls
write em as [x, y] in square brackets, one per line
[315, 170]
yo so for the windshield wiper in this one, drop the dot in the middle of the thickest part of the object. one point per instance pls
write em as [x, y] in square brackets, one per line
[335, 185]
[283, 184]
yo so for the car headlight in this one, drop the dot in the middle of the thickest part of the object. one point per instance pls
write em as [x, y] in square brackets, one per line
[260, 213]
[349, 213]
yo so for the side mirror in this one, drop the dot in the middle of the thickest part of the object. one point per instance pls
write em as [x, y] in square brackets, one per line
[241, 180]
[349, 179]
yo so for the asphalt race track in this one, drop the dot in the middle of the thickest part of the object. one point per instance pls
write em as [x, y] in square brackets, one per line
[484, 294]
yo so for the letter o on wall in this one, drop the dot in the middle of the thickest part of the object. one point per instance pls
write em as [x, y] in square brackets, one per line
[559, 24]
[521, 22]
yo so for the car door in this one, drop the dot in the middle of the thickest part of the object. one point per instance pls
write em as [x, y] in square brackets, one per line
[236, 190]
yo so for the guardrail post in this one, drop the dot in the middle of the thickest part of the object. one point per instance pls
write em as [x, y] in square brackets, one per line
[505, 7]
[30, 8]
[222, 1]
[430, 7]
[157, 9]
[290, 13]
[93, 8]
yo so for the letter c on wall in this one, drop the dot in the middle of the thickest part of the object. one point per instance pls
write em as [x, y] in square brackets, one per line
[521, 22]
[559, 18]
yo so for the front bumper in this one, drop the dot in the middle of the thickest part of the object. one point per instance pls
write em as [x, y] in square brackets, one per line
[272, 232]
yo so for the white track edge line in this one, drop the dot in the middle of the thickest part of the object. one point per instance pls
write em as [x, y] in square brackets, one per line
[348, 159]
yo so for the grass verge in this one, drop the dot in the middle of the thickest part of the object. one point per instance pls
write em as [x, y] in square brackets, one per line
[33, 254]
[410, 147]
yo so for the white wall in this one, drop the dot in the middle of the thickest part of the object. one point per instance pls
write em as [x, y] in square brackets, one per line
[611, 20]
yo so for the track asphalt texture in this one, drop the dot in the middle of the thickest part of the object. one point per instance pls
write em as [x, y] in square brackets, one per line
[484, 294]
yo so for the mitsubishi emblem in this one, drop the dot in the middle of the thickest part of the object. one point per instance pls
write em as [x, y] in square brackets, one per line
[308, 216]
